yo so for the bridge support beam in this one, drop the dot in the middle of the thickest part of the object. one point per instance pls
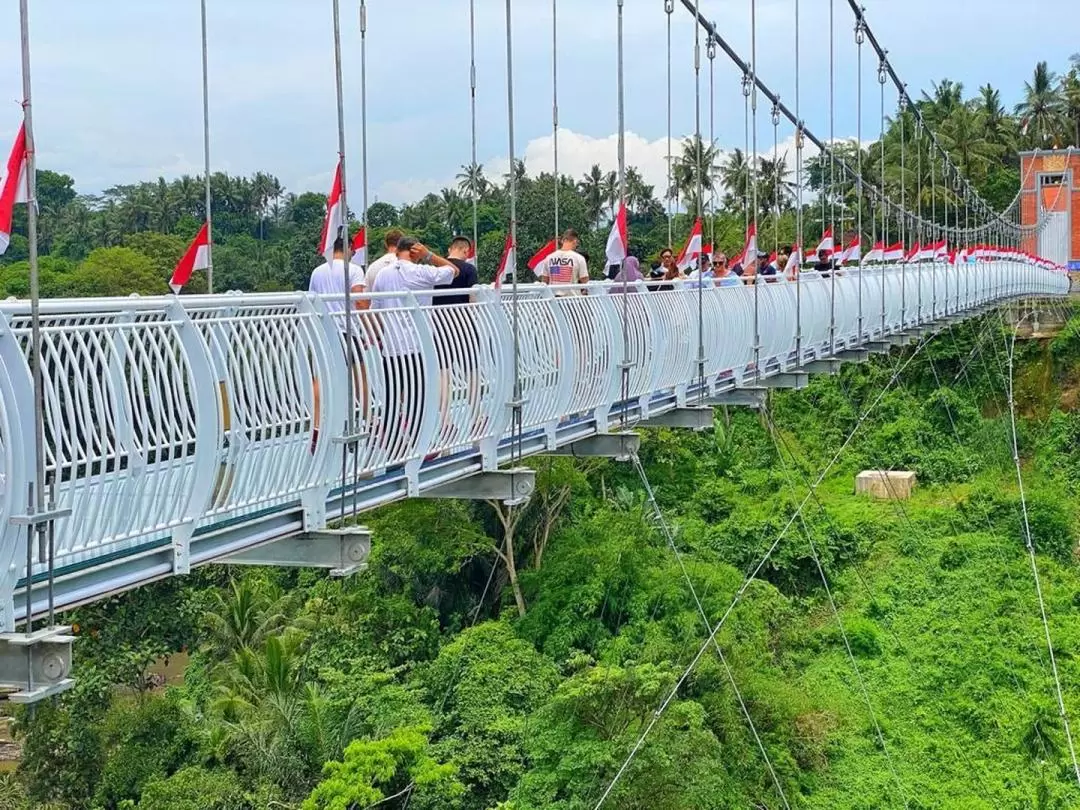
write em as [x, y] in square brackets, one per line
[753, 398]
[618, 446]
[852, 356]
[879, 346]
[36, 665]
[341, 551]
[830, 366]
[692, 418]
[512, 487]
[794, 381]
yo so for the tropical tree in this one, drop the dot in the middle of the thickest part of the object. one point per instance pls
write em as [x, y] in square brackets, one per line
[591, 187]
[695, 173]
[472, 182]
[1042, 111]
[735, 177]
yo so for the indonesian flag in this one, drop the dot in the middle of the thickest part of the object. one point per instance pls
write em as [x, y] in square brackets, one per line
[827, 243]
[13, 187]
[954, 254]
[692, 251]
[471, 256]
[913, 254]
[941, 250]
[707, 250]
[335, 217]
[359, 246]
[929, 252]
[853, 251]
[749, 251]
[894, 253]
[794, 260]
[197, 257]
[617, 245]
[504, 262]
[541, 254]
[876, 254]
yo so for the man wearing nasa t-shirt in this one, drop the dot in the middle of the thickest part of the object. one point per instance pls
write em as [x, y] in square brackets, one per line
[566, 268]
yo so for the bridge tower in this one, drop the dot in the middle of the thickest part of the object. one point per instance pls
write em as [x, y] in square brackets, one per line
[1052, 189]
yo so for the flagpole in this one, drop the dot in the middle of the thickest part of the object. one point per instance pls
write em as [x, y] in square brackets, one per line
[363, 130]
[622, 202]
[38, 497]
[350, 348]
[206, 154]
[555, 104]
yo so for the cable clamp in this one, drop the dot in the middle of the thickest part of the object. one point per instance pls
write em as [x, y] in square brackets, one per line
[669, 6]
[746, 85]
[776, 112]
[710, 46]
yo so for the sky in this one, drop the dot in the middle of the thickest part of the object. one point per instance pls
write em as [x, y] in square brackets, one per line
[117, 83]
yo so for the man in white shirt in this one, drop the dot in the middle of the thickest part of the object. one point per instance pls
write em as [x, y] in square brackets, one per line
[329, 279]
[416, 270]
[393, 236]
[566, 267]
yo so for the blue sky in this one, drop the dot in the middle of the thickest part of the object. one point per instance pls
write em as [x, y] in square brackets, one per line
[117, 83]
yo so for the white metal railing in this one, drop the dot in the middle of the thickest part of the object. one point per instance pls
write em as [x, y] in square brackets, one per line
[167, 415]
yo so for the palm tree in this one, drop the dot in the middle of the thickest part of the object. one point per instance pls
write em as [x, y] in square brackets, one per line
[995, 119]
[1070, 90]
[963, 134]
[735, 177]
[776, 191]
[242, 619]
[471, 181]
[611, 191]
[592, 189]
[695, 173]
[947, 96]
[1043, 109]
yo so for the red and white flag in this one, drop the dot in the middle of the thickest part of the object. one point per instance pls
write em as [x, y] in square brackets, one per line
[913, 254]
[826, 244]
[853, 251]
[196, 257]
[749, 251]
[794, 260]
[928, 252]
[504, 262]
[12, 187]
[894, 253]
[540, 255]
[471, 255]
[692, 250]
[876, 254]
[617, 244]
[335, 217]
[359, 246]
[941, 250]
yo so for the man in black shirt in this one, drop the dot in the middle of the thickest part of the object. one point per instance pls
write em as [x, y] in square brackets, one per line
[824, 264]
[457, 342]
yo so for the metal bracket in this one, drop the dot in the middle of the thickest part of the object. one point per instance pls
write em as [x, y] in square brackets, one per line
[853, 356]
[830, 366]
[879, 346]
[739, 398]
[37, 518]
[794, 380]
[36, 665]
[698, 419]
[512, 487]
[181, 547]
[342, 551]
[618, 446]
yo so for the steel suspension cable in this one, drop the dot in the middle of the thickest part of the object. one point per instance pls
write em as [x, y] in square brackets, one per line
[884, 209]
[776, 182]
[351, 438]
[364, 195]
[670, 538]
[1034, 563]
[753, 169]
[206, 155]
[837, 233]
[710, 52]
[555, 105]
[700, 206]
[799, 236]
[859, 36]
[669, 9]
[517, 404]
[749, 579]
[474, 169]
[622, 201]
[904, 235]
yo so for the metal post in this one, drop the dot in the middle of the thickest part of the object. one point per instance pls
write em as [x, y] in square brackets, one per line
[799, 205]
[859, 36]
[555, 103]
[669, 8]
[700, 199]
[472, 107]
[363, 127]
[37, 498]
[517, 403]
[622, 200]
[206, 155]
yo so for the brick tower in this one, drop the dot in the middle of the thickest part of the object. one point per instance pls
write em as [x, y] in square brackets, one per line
[1052, 189]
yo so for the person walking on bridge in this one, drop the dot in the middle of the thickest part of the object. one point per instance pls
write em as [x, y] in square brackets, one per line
[565, 268]
[416, 270]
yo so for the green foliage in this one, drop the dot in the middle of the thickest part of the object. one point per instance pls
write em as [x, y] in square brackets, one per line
[195, 789]
[397, 765]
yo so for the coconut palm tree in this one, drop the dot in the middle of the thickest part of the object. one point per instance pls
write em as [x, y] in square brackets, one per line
[695, 174]
[963, 135]
[471, 181]
[735, 177]
[1070, 89]
[998, 124]
[1042, 111]
[591, 187]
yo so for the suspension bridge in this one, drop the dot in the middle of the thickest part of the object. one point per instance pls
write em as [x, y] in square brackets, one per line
[142, 437]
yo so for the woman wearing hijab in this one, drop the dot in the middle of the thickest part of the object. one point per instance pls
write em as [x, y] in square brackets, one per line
[629, 273]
